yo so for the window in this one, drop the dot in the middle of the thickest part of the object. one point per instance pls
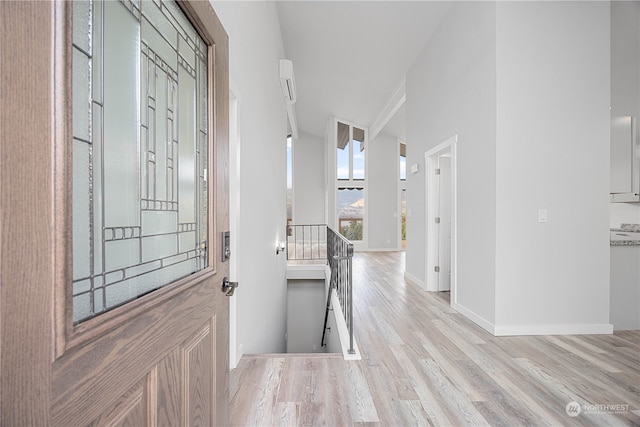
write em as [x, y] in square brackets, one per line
[350, 153]
[351, 212]
[139, 151]
[351, 180]
[403, 193]
[289, 180]
[403, 161]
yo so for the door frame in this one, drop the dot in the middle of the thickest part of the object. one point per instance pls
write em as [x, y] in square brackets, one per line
[444, 243]
[432, 195]
[235, 200]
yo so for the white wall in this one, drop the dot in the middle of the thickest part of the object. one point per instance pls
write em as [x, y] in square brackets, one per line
[451, 90]
[306, 306]
[525, 86]
[552, 153]
[625, 83]
[308, 179]
[382, 182]
[256, 46]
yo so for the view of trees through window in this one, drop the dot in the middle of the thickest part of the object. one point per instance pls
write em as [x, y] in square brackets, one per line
[351, 212]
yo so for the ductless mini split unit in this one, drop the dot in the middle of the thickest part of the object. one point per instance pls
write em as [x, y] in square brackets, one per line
[287, 81]
[288, 85]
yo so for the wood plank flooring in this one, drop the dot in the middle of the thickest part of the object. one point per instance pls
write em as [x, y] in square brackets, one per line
[424, 364]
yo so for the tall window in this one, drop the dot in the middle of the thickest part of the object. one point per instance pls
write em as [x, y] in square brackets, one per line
[403, 161]
[403, 193]
[351, 180]
[289, 180]
[139, 151]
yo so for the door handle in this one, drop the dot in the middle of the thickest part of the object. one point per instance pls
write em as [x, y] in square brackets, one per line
[228, 288]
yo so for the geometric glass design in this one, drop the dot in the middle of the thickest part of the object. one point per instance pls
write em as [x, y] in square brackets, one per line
[139, 151]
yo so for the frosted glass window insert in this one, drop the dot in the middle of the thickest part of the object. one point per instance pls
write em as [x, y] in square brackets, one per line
[139, 151]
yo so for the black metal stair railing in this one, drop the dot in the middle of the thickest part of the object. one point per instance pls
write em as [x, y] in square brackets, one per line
[319, 242]
[306, 242]
[340, 257]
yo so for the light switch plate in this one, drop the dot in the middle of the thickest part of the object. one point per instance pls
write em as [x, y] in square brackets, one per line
[542, 215]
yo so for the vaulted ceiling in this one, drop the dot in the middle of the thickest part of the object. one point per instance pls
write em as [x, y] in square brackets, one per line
[350, 57]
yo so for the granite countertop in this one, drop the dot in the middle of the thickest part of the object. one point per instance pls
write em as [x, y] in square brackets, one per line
[626, 235]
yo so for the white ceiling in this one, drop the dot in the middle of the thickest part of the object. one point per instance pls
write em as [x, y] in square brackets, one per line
[350, 56]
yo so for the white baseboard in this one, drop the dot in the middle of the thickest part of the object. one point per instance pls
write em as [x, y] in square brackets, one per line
[570, 329]
[512, 330]
[414, 280]
[475, 318]
[382, 250]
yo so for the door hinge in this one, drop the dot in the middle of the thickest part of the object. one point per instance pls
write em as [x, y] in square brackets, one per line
[436, 269]
[438, 171]
[437, 220]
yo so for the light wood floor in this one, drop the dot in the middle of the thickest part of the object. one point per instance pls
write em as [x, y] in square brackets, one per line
[424, 364]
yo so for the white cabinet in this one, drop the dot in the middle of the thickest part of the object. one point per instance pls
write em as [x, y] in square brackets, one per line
[625, 287]
[625, 160]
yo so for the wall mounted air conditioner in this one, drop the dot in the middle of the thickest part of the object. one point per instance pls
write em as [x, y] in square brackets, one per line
[287, 81]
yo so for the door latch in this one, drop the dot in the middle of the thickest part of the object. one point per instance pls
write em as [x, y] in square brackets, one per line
[228, 288]
[226, 246]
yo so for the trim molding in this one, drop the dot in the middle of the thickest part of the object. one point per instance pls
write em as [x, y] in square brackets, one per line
[393, 104]
[566, 329]
[414, 280]
[343, 331]
[475, 318]
[515, 330]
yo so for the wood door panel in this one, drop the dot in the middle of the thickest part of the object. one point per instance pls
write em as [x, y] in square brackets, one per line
[199, 363]
[169, 399]
[130, 409]
[177, 391]
[102, 370]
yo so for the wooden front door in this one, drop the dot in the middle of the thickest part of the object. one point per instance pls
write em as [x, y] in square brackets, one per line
[159, 358]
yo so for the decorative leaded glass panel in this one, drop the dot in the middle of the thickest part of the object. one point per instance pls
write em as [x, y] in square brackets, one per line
[139, 151]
